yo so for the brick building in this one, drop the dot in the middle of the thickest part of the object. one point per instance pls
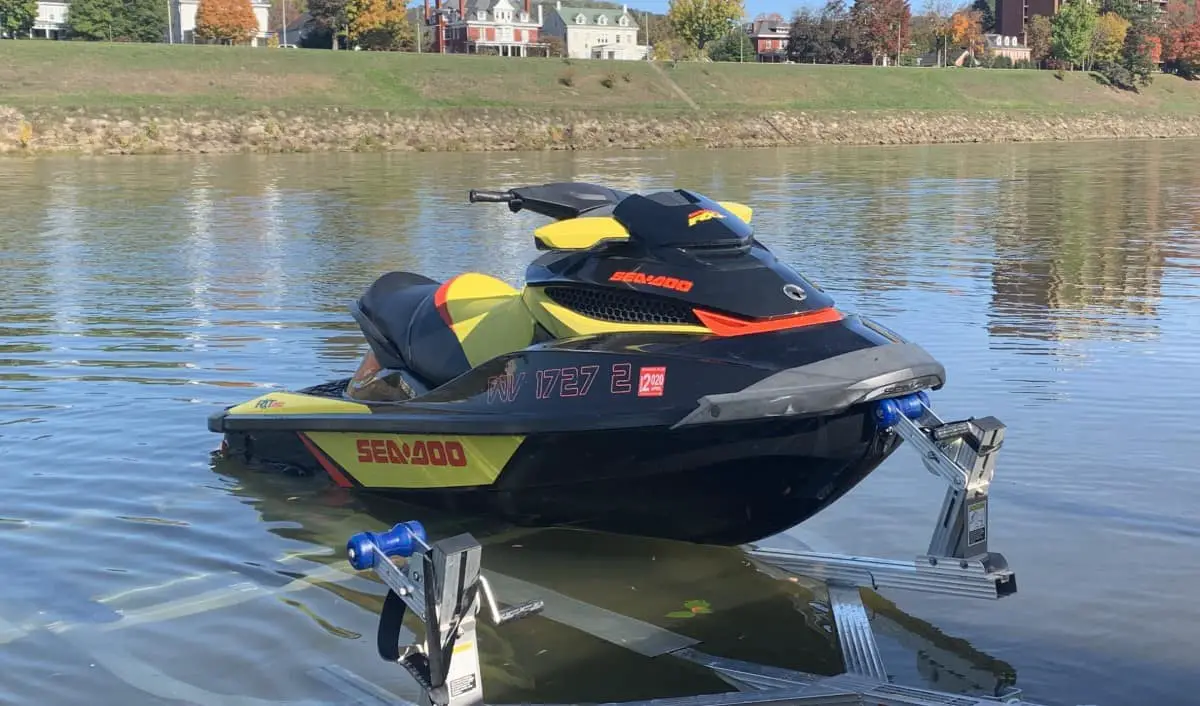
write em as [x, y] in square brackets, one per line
[501, 27]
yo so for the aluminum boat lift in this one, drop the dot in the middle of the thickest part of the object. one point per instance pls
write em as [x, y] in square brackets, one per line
[440, 583]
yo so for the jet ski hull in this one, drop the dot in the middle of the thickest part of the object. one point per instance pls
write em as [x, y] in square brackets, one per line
[703, 439]
[722, 484]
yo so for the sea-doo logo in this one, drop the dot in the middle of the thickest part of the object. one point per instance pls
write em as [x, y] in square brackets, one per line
[793, 291]
[679, 285]
[420, 453]
[704, 214]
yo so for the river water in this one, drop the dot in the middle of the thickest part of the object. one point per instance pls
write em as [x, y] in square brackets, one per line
[1057, 283]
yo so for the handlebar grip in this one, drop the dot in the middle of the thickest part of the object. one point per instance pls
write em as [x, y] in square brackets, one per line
[478, 196]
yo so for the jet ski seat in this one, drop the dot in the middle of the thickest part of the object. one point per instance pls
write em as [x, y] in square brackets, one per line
[440, 330]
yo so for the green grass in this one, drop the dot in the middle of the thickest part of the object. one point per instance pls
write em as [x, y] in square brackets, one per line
[52, 76]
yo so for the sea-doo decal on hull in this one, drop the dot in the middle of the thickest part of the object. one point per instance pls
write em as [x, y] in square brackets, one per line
[418, 461]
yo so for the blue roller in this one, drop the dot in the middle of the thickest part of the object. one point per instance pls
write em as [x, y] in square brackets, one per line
[887, 412]
[401, 540]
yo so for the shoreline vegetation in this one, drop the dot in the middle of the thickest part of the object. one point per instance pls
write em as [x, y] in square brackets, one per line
[92, 98]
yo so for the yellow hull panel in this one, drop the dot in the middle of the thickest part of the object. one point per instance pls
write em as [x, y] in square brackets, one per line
[289, 403]
[418, 461]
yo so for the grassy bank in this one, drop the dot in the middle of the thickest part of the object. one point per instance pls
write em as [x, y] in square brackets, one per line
[72, 95]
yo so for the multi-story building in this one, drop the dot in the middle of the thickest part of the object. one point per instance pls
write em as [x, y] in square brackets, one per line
[769, 35]
[595, 32]
[486, 26]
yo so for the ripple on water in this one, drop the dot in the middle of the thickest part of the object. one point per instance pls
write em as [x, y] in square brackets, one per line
[1055, 282]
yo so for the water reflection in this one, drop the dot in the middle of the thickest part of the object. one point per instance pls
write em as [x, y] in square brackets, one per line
[142, 294]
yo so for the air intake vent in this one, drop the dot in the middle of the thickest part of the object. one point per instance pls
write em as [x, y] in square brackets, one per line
[623, 307]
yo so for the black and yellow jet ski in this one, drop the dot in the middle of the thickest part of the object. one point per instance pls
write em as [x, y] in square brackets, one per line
[660, 373]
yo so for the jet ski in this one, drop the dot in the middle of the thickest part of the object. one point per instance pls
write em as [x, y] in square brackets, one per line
[659, 373]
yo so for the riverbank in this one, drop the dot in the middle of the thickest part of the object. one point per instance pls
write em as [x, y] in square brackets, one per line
[144, 99]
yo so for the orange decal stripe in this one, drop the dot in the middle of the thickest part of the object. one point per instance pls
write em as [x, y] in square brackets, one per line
[723, 325]
[330, 467]
[439, 300]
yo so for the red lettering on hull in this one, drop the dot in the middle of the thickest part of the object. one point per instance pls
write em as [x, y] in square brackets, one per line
[420, 453]
[679, 285]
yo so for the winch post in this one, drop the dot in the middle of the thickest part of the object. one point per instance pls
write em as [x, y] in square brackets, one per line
[441, 584]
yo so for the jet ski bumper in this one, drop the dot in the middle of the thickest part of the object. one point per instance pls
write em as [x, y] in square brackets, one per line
[828, 386]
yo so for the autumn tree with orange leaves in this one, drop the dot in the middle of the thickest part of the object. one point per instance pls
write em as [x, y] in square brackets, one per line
[966, 29]
[379, 25]
[226, 21]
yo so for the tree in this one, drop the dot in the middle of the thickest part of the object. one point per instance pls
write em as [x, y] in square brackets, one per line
[144, 21]
[987, 14]
[1037, 38]
[699, 22]
[17, 16]
[881, 26]
[226, 21]
[275, 18]
[94, 20]
[966, 30]
[554, 45]
[1137, 51]
[938, 14]
[379, 25]
[826, 38]
[1071, 31]
[1109, 37]
[1124, 8]
[328, 17]
[735, 46]
[1181, 39]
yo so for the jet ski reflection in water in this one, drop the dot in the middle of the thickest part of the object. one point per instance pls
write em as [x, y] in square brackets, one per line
[660, 373]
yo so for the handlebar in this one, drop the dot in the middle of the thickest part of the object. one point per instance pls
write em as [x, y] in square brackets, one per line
[480, 196]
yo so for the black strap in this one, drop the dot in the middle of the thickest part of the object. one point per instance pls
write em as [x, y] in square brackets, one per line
[391, 620]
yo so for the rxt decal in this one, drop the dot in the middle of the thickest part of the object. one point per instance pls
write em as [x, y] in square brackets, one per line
[651, 381]
[679, 285]
[704, 214]
[268, 404]
[421, 453]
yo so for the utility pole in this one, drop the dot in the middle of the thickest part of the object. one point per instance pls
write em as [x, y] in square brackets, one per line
[170, 25]
[283, 24]
[899, 25]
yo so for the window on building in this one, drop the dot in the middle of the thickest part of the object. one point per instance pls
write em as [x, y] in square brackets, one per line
[623, 21]
[580, 19]
[602, 20]
[618, 39]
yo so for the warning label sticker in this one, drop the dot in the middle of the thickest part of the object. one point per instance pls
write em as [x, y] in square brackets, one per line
[976, 522]
[462, 684]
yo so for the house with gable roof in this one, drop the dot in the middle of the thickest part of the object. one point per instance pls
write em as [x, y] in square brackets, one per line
[502, 27]
[595, 32]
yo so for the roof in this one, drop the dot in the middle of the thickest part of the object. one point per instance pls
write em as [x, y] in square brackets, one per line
[593, 15]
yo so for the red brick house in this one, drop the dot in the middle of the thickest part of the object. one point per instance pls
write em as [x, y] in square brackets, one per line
[500, 27]
[769, 35]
